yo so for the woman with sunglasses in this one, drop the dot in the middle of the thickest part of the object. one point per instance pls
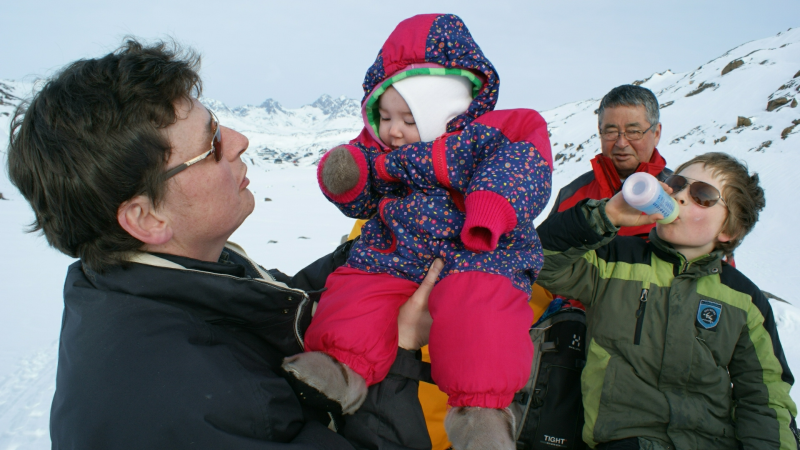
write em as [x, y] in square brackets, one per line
[172, 337]
[683, 350]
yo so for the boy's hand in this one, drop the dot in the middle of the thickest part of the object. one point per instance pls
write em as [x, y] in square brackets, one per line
[414, 321]
[621, 214]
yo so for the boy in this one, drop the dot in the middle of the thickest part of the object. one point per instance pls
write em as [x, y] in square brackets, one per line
[443, 176]
[683, 351]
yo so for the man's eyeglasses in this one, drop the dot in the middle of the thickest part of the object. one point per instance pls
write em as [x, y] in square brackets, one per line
[216, 149]
[701, 192]
[613, 135]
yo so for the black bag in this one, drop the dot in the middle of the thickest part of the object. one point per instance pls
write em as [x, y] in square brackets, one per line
[548, 411]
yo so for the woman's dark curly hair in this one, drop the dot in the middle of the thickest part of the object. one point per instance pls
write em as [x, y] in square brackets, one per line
[92, 138]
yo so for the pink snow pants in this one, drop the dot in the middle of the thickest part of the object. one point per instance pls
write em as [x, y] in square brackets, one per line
[480, 348]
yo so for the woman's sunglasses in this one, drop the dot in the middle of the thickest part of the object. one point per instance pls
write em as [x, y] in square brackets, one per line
[701, 192]
[216, 149]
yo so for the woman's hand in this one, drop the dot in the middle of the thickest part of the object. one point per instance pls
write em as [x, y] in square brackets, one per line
[414, 320]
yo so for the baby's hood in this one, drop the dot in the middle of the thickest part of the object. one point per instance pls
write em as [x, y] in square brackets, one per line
[430, 44]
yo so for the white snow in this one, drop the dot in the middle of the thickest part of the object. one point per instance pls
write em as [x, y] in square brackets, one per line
[298, 225]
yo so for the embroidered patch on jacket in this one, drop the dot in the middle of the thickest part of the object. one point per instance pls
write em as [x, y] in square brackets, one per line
[708, 314]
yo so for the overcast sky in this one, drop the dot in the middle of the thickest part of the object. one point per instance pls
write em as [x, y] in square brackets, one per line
[547, 53]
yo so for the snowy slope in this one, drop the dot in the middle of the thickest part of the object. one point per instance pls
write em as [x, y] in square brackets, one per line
[296, 224]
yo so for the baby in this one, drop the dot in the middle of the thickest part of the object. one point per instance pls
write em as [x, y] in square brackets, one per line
[442, 176]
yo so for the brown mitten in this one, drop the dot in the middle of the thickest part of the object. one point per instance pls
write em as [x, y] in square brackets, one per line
[328, 377]
[340, 172]
[473, 428]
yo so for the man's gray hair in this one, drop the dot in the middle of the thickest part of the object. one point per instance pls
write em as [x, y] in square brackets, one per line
[630, 95]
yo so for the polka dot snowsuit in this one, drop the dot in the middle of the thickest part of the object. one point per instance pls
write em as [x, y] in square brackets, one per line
[469, 198]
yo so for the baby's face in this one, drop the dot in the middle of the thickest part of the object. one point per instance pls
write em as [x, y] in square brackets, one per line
[397, 127]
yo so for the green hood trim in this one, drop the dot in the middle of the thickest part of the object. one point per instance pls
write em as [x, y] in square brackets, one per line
[371, 107]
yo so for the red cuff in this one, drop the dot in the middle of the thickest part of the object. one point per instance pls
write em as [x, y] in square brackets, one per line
[380, 170]
[488, 216]
[363, 172]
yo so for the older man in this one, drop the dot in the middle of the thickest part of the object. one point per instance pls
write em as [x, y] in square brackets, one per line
[172, 337]
[628, 122]
[629, 129]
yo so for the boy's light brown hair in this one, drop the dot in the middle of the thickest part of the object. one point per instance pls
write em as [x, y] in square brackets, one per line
[741, 193]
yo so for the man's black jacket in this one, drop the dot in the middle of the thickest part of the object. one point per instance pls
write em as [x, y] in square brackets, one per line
[187, 354]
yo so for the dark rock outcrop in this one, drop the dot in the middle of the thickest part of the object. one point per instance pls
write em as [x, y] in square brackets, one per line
[703, 86]
[735, 64]
[6, 98]
[762, 147]
[772, 105]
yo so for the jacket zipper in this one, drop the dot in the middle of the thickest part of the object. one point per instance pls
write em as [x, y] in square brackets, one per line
[304, 303]
[640, 317]
[439, 157]
[684, 264]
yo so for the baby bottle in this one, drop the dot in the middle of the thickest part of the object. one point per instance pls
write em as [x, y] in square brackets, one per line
[643, 191]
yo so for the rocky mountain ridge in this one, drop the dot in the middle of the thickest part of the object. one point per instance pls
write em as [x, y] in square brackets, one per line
[297, 136]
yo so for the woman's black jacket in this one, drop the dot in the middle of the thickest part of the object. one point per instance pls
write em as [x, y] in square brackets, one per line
[175, 353]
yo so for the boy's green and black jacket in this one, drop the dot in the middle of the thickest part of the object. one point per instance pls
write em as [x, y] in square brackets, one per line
[685, 352]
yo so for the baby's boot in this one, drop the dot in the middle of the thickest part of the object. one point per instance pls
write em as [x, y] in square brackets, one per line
[322, 381]
[474, 428]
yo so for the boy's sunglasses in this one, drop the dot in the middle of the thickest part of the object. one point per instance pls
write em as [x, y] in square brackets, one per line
[701, 192]
[216, 149]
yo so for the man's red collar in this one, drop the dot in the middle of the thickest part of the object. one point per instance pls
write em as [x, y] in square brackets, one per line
[609, 180]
